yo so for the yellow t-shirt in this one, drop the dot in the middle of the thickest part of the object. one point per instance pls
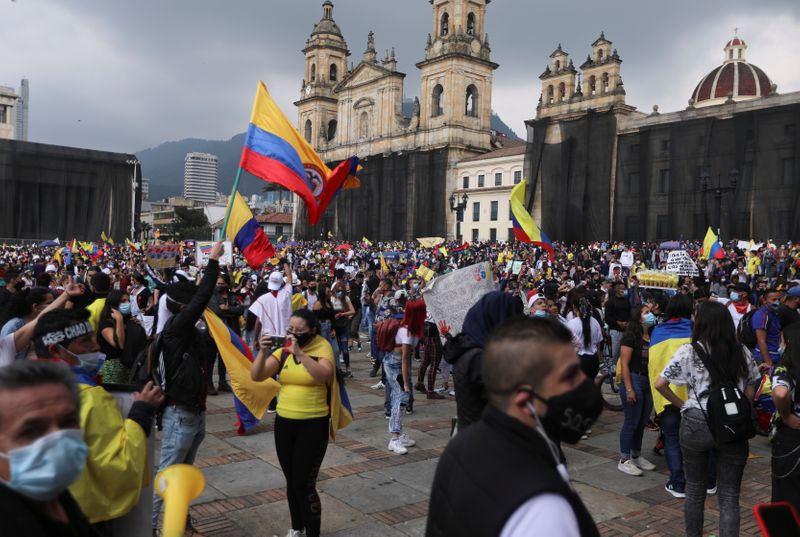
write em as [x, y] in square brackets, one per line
[301, 397]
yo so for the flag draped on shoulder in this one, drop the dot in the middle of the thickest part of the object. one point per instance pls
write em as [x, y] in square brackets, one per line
[252, 398]
[525, 229]
[276, 152]
[245, 233]
[711, 247]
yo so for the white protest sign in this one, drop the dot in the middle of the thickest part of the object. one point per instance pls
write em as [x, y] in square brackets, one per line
[449, 297]
[680, 262]
[203, 248]
[514, 268]
[626, 258]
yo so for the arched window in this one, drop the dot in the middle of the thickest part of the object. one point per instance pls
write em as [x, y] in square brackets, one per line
[740, 54]
[333, 73]
[730, 54]
[592, 85]
[445, 25]
[471, 105]
[332, 124]
[363, 126]
[550, 94]
[313, 72]
[437, 101]
[605, 82]
[562, 92]
[308, 131]
[600, 55]
[558, 65]
[471, 24]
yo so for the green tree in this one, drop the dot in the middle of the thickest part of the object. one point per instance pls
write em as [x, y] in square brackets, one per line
[191, 224]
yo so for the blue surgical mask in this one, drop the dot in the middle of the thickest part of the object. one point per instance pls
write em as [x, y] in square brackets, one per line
[44, 469]
[735, 296]
[90, 362]
[650, 319]
[774, 305]
[540, 313]
[125, 308]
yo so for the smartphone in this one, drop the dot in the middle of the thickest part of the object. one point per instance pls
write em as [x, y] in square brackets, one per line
[278, 341]
[777, 519]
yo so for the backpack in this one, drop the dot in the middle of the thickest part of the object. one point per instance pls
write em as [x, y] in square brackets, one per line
[145, 364]
[135, 343]
[745, 332]
[387, 331]
[728, 412]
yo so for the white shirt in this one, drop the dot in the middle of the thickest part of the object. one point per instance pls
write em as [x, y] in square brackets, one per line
[404, 337]
[164, 314]
[545, 514]
[274, 311]
[737, 317]
[8, 350]
[575, 326]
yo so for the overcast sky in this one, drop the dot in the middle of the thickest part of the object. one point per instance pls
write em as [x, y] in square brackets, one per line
[125, 75]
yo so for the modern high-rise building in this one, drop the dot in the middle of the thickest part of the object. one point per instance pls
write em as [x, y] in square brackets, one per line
[145, 188]
[22, 111]
[200, 177]
[8, 101]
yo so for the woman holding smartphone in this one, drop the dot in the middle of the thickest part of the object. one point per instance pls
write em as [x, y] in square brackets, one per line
[302, 426]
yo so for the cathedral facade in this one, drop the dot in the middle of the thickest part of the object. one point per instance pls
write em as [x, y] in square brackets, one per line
[408, 160]
[599, 169]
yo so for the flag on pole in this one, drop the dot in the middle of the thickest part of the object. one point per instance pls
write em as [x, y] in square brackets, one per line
[525, 229]
[106, 238]
[131, 245]
[711, 246]
[277, 153]
[247, 235]
[384, 266]
[366, 241]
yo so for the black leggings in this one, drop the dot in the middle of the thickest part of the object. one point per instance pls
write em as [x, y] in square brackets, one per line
[301, 446]
[590, 364]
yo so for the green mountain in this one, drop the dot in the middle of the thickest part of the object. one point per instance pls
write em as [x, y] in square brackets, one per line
[163, 164]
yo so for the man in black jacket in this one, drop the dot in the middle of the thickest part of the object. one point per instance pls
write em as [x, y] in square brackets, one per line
[502, 475]
[181, 369]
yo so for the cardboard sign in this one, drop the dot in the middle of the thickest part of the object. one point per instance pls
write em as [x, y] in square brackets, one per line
[203, 248]
[626, 258]
[449, 297]
[680, 262]
[162, 255]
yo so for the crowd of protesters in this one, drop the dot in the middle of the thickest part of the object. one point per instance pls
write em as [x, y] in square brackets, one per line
[99, 313]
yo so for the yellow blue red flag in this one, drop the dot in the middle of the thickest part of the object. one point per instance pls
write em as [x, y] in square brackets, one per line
[525, 229]
[711, 247]
[276, 152]
[245, 233]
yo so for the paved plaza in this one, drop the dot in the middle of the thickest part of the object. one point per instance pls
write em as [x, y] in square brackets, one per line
[368, 491]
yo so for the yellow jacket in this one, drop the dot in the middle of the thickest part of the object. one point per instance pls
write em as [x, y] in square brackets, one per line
[115, 472]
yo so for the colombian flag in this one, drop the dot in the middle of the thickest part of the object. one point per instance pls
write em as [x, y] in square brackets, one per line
[666, 338]
[711, 247]
[246, 234]
[275, 151]
[251, 397]
[525, 229]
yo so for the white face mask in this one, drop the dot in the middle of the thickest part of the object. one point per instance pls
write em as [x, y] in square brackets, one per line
[90, 362]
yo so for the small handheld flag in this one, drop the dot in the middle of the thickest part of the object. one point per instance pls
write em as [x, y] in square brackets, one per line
[245, 233]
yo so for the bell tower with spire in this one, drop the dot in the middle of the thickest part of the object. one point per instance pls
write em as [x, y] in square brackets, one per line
[456, 74]
[326, 55]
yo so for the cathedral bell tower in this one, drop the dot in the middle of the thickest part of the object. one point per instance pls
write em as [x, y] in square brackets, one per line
[456, 74]
[326, 55]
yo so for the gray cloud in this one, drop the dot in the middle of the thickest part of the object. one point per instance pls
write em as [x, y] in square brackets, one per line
[122, 76]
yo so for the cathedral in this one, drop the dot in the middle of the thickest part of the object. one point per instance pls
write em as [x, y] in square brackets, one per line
[408, 161]
[599, 169]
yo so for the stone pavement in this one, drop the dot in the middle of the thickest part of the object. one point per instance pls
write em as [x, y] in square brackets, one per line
[368, 491]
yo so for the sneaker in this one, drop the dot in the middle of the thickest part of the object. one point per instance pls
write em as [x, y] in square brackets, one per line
[270, 411]
[669, 487]
[406, 441]
[628, 467]
[360, 349]
[434, 395]
[643, 464]
[295, 533]
[452, 393]
[397, 446]
[440, 389]
[348, 374]
[409, 409]
[378, 386]
[420, 387]
[711, 490]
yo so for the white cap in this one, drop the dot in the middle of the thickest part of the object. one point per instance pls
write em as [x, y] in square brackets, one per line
[275, 281]
[532, 300]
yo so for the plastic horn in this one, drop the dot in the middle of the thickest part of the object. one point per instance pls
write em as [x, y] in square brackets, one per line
[178, 485]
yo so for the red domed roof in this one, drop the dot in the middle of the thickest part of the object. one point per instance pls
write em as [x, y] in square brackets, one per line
[735, 41]
[738, 79]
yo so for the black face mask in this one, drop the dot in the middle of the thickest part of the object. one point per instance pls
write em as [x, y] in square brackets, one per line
[303, 339]
[571, 414]
[221, 289]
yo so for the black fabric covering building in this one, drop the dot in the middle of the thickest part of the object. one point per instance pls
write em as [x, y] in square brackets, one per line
[402, 196]
[661, 170]
[52, 191]
[574, 176]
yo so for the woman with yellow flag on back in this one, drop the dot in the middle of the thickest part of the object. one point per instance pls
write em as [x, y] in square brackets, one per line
[308, 412]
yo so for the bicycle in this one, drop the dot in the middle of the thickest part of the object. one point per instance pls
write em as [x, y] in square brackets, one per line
[606, 379]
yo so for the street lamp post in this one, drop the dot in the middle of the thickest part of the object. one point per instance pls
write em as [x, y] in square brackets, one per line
[457, 206]
[718, 190]
[133, 162]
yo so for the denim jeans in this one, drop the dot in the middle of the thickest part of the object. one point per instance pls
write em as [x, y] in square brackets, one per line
[697, 444]
[183, 432]
[616, 342]
[395, 393]
[373, 341]
[326, 331]
[636, 416]
[670, 426]
[343, 342]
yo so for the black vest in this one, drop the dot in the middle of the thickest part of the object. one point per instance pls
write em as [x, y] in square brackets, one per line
[487, 472]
